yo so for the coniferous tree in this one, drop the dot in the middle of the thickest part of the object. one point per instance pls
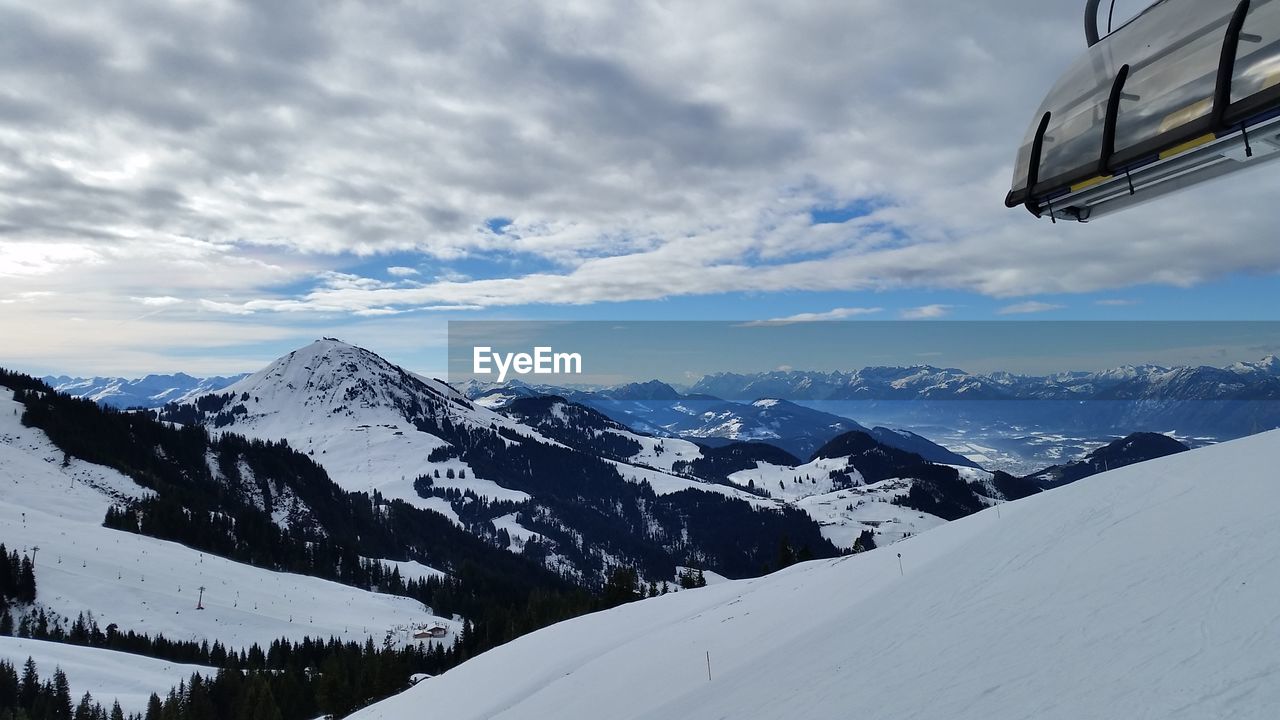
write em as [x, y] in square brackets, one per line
[61, 708]
[87, 709]
[29, 687]
[27, 582]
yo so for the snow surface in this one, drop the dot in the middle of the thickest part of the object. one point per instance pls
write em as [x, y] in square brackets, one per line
[664, 483]
[518, 533]
[150, 585]
[106, 674]
[663, 453]
[412, 569]
[843, 515]
[1144, 592]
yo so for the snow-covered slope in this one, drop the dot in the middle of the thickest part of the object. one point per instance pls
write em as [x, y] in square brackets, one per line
[150, 585]
[107, 675]
[1144, 592]
[843, 513]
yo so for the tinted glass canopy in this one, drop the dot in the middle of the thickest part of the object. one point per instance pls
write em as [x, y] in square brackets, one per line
[1179, 75]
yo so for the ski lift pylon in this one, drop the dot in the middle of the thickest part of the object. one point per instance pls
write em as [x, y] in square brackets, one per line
[1186, 91]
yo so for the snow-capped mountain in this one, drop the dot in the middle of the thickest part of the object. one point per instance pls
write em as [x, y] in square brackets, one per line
[1141, 592]
[1240, 381]
[1207, 402]
[922, 382]
[579, 497]
[151, 391]
[357, 415]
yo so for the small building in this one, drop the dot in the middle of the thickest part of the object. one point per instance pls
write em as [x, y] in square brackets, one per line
[434, 632]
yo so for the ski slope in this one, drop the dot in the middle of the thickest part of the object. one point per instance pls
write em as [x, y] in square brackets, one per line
[1145, 592]
[150, 585]
[107, 675]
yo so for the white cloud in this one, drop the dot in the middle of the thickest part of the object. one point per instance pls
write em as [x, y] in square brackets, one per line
[832, 314]
[158, 301]
[1117, 302]
[640, 151]
[1028, 308]
[225, 308]
[926, 312]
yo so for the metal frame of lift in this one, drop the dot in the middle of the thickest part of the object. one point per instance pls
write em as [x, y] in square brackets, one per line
[1254, 140]
[1123, 190]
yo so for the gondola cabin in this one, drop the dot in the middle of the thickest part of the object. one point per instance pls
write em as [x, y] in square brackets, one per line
[1186, 91]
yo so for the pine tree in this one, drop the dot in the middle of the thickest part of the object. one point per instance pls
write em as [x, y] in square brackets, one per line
[61, 709]
[786, 555]
[27, 582]
[86, 710]
[29, 687]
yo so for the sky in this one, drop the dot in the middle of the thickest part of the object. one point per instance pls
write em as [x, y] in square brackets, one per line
[203, 185]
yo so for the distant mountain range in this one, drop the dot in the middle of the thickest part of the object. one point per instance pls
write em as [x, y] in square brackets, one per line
[799, 411]
[656, 408]
[1240, 381]
[1203, 401]
[151, 391]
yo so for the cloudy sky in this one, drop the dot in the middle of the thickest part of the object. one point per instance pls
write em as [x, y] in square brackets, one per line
[202, 185]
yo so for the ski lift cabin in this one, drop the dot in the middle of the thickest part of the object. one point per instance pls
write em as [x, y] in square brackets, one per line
[1187, 91]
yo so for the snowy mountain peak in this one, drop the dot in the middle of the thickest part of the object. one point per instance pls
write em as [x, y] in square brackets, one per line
[331, 378]
[651, 390]
[1269, 365]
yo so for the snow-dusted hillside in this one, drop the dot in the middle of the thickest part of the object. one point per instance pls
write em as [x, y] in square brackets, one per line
[106, 674]
[1144, 592]
[150, 585]
[374, 426]
[843, 513]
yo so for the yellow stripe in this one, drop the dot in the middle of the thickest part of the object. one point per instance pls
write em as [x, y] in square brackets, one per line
[1189, 145]
[1191, 112]
[1090, 183]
